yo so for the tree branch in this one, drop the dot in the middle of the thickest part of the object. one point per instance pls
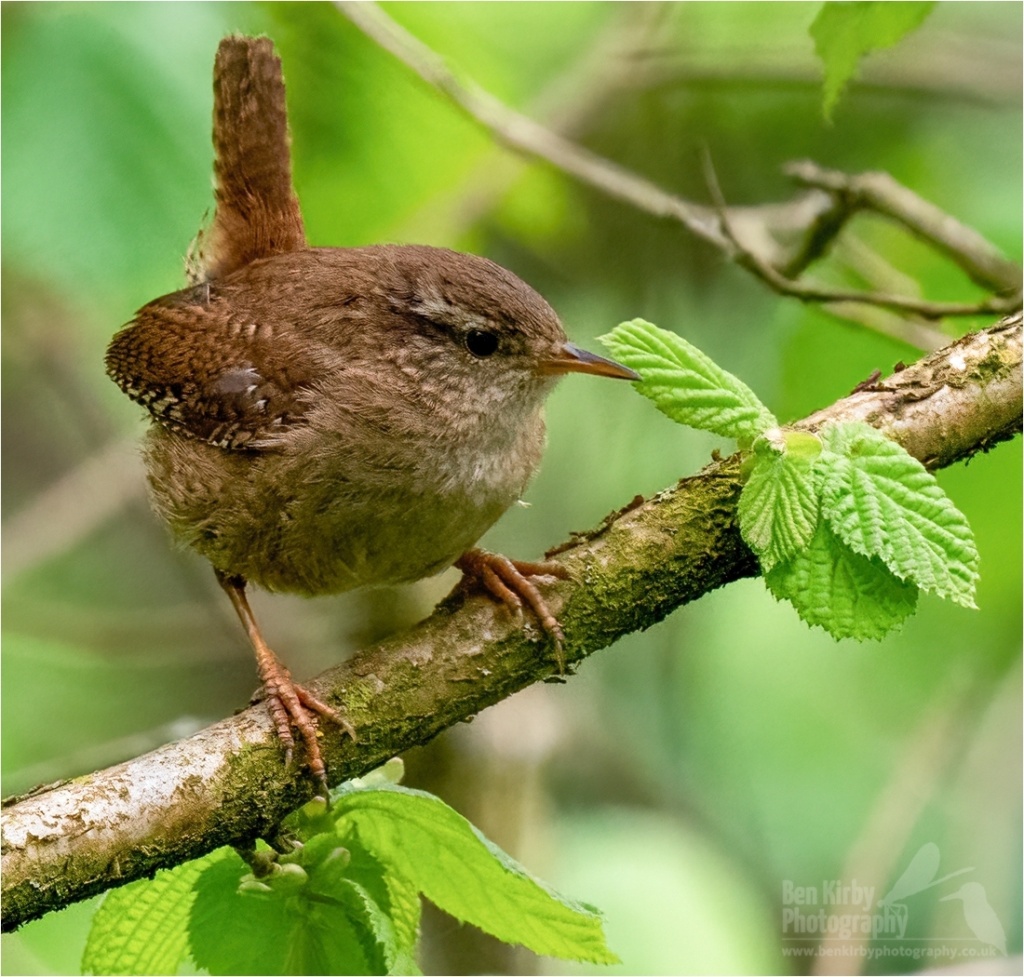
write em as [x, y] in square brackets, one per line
[227, 784]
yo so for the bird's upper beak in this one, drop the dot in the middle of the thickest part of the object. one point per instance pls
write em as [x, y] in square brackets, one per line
[571, 359]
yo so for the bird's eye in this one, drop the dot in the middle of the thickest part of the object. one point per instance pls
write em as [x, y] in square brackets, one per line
[481, 343]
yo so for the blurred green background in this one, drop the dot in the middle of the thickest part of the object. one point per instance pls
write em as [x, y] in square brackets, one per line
[687, 775]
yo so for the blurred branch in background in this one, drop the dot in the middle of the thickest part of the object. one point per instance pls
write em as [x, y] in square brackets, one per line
[634, 54]
[62, 515]
[775, 242]
[226, 783]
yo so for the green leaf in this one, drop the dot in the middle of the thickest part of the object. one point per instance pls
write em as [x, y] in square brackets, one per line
[849, 595]
[845, 32]
[142, 928]
[300, 932]
[687, 385]
[398, 959]
[398, 927]
[778, 509]
[333, 903]
[440, 853]
[406, 909]
[882, 502]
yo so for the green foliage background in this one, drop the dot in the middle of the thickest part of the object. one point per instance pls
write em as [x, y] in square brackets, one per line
[690, 772]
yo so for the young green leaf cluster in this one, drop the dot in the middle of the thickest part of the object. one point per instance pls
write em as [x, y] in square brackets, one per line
[344, 897]
[847, 526]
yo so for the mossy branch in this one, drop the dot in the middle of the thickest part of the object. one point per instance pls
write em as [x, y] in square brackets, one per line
[227, 784]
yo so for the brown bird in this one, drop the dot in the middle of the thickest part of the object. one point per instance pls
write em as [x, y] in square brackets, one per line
[326, 418]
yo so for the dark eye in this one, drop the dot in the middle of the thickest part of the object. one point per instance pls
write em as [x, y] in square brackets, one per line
[481, 343]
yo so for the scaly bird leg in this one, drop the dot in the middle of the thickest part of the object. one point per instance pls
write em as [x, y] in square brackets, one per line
[289, 703]
[508, 581]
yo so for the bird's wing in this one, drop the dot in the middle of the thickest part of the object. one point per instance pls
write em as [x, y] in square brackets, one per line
[213, 373]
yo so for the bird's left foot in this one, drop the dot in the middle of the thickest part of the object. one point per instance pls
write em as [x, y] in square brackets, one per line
[293, 706]
[509, 581]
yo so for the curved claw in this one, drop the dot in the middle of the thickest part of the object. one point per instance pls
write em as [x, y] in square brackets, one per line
[508, 581]
[292, 705]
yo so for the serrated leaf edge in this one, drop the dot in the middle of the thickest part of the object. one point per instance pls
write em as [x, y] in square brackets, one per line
[686, 384]
[952, 564]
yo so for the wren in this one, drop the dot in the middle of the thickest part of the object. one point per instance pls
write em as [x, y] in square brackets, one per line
[328, 418]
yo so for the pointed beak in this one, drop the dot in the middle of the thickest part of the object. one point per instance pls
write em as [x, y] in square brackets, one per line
[571, 359]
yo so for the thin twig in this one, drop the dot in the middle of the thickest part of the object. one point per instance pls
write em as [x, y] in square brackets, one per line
[917, 334]
[810, 292]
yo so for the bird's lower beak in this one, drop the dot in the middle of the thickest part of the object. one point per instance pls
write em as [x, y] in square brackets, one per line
[571, 359]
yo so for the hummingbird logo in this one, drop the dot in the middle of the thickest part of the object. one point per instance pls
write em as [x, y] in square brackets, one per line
[920, 875]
